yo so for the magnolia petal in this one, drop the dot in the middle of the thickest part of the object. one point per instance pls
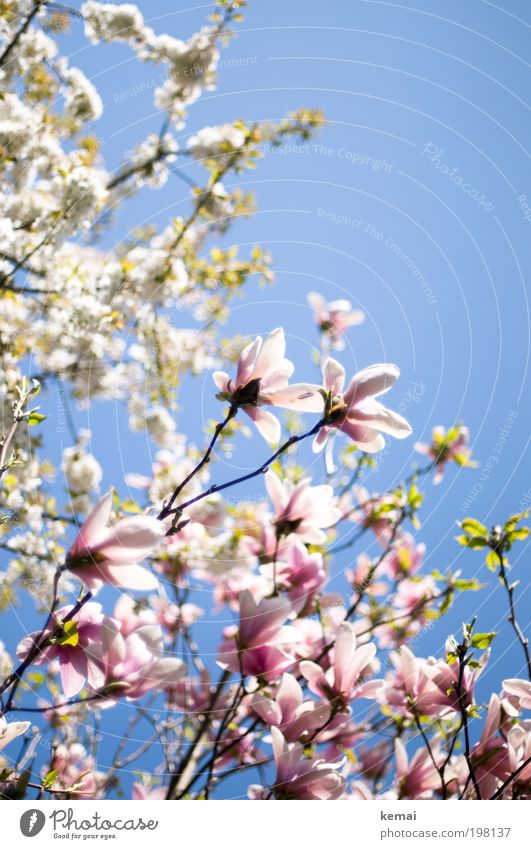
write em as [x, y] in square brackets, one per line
[266, 423]
[374, 380]
[275, 489]
[131, 576]
[271, 354]
[377, 416]
[368, 439]
[333, 376]
[303, 397]
[8, 731]
[73, 669]
[289, 696]
[94, 526]
[221, 379]
[247, 361]
[131, 538]
[320, 440]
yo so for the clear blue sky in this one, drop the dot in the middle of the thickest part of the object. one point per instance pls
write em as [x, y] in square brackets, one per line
[416, 96]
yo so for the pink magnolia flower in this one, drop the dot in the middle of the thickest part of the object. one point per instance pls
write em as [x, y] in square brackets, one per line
[297, 719]
[405, 557]
[518, 691]
[298, 777]
[73, 647]
[447, 446]
[301, 509]
[256, 647]
[490, 756]
[10, 730]
[301, 576]
[356, 412]
[416, 778]
[334, 318]
[519, 751]
[103, 555]
[135, 664]
[342, 682]
[132, 614]
[76, 771]
[262, 379]
[372, 761]
[377, 512]
[427, 686]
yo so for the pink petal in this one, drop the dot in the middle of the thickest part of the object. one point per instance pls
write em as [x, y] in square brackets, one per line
[247, 361]
[113, 644]
[371, 381]
[131, 538]
[73, 668]
[276, 490]
[340, 305]
[344, 649]
[316, 301]
[8, 731]
[289, 696]
[376, 416]
[93, 527]
[313, 674]
[401, 759]
[304, 397]
[366, 438]
[320, 440]
[267, 709]
[266, 423]
[271, 354]
[221, 379]
[129, 576]
[333, 376]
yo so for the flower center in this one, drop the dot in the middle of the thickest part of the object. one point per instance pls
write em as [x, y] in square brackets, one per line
[247, 396]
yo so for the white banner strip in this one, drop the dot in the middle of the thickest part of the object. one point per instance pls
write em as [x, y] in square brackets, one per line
[307, 825]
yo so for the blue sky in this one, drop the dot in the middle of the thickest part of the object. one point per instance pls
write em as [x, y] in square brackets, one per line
[411, 203]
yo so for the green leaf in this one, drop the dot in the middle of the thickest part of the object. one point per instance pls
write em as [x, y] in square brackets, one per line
[474, 528]
[49, 779]
[36, 418]
[471, 584]
[483, 641]
[471, 542]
